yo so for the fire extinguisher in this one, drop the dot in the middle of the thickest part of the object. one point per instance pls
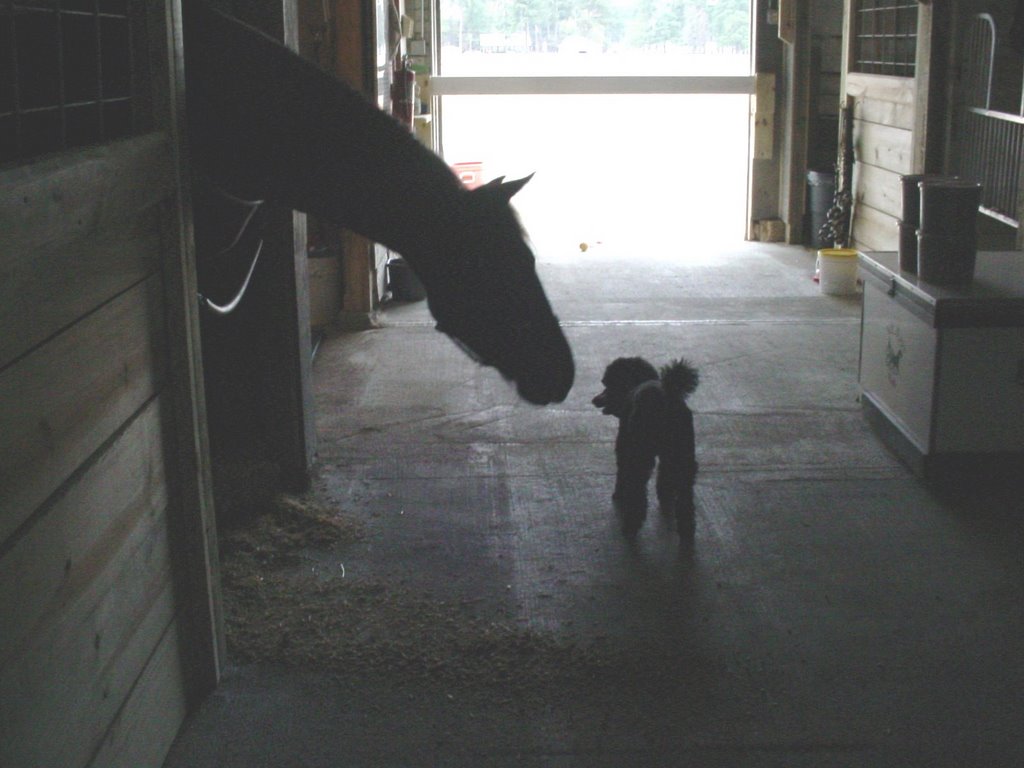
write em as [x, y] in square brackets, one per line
[403, 91]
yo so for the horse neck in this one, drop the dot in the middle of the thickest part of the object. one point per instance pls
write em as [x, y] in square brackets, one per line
[407, 197]
[396, 191]
[269, 125]
[411, 211]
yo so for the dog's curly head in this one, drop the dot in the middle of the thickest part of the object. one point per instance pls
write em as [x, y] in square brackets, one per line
[620, 378]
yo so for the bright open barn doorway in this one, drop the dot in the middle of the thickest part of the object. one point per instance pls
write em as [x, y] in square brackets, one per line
[634, 117]
[620, 172]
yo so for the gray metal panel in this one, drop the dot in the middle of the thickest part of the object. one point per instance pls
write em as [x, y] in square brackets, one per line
[994, 299]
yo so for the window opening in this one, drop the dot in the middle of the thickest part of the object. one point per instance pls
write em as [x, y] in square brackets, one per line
[885, 37]
[69, 74]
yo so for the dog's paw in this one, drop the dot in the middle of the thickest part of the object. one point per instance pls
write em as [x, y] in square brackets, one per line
[632, 514]
[630, 493]
[632, 522]
[686, 523]
[666, 502]
[631, 529]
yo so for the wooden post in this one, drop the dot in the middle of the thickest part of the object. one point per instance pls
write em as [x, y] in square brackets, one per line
[355, 63]
[931, 103]
[285, 295]
[763, 174]
[794, 161]
[357, 303]
[194, 530]
[259, 358]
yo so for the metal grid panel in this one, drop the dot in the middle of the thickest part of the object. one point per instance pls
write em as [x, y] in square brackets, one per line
[990, 144]
[69, 74]
[992, 148]
[976, 61]
[885, 37]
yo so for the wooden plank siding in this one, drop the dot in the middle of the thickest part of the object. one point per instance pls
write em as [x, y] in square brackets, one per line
[64, 250]
[107, 613]
[899, 124]
[161, 689]
[73, 393]
[871, 225]
[85, 563]
[883, 136]
[71, 196]
[77, 666]
[882, 146]
[883, 100]
[64, 559]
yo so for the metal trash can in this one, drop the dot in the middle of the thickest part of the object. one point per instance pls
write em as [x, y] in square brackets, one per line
[821, 191]
[402, 281]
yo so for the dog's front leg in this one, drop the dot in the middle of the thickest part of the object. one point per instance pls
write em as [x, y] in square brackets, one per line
[634, 470]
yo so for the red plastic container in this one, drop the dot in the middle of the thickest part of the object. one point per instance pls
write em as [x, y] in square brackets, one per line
[471, 174]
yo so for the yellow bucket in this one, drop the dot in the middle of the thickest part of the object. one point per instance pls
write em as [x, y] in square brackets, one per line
[837, 271]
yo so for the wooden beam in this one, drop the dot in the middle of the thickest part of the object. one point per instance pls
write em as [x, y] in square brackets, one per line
[763, 128]
[192, 510]
[932, 67]
[798, 99]
[355, 30]
[561, 85]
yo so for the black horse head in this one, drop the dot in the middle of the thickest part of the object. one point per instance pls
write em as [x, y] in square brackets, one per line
[484, 292]
[267, 124]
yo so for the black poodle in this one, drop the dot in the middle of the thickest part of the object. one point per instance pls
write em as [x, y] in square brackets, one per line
[654, 423]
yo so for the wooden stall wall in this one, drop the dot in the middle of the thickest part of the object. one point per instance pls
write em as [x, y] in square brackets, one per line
[899, 126]
[883, 135]
[107, 613]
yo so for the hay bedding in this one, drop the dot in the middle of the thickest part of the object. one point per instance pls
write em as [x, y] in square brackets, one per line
[282, 608]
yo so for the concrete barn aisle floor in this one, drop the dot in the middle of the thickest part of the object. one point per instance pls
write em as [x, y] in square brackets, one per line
[831, 612]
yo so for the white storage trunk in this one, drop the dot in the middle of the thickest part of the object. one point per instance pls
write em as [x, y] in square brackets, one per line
[942, 368]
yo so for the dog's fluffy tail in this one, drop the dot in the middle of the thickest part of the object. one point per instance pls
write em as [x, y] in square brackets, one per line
[679, 378]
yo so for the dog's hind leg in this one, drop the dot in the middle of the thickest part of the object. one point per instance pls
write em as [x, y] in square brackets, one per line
[675, 495]
[686, 514]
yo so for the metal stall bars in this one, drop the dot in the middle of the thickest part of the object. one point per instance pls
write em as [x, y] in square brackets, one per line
[990, 142]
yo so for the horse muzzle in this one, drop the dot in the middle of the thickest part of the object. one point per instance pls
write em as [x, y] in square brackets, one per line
[542, 369]
[550, 381]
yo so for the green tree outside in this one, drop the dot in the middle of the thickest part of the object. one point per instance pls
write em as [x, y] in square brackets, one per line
[694, 25]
